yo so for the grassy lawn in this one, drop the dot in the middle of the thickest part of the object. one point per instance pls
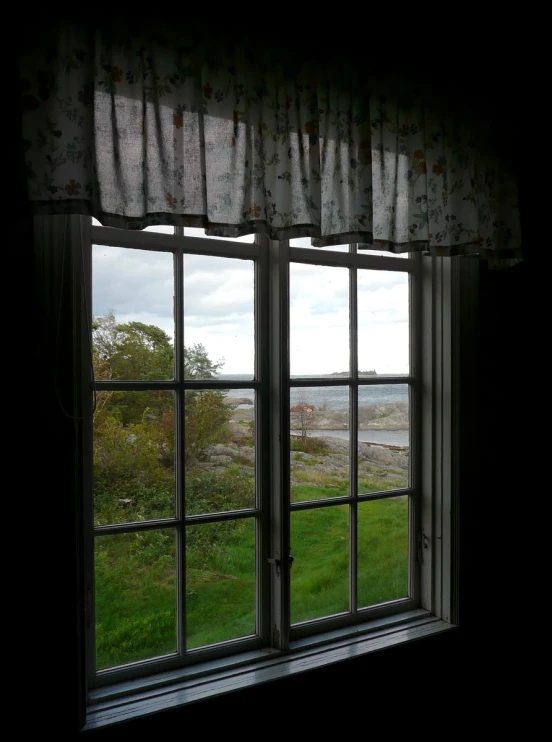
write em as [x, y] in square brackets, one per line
[136, 585]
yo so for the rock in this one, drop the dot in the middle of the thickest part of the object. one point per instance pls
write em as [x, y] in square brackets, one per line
[229, 453]
[235, 401]
[221, 459]
[237, 431]
[392, 416]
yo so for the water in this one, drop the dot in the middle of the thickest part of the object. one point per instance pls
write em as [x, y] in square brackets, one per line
[333, 397]
[380, 437]
[337, 398]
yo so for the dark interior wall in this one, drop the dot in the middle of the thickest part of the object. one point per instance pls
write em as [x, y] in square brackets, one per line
[46, 623]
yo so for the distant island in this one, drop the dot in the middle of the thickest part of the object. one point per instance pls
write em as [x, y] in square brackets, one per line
[360, 373]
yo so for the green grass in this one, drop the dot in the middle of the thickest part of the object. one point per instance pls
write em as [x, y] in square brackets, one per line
[136, 586]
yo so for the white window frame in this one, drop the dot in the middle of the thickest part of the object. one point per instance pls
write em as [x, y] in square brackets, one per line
[442, 331]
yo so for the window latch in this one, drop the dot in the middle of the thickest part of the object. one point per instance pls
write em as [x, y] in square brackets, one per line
[422, 544]
[278, 562]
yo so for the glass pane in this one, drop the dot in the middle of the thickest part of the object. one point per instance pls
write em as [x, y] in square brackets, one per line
[194, 232]
[383, 437]
[367, 251]
[320, 572]
[219, 317]
[159, 228]
[220, 582]
[382, 566]
[132, 304]
[156, 228]
[383, 323]
[220, 450]
[135, 578]
[319, 320]
[133, 456]
[307, 242]
[319, 427]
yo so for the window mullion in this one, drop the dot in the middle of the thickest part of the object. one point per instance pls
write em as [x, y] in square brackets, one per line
[178, 308]
[353, 438]
[429, 336]
[263, 437]
[416, 360]
[279, 444]
[82, 280]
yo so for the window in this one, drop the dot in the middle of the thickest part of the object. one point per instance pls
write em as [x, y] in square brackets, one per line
[244, 513]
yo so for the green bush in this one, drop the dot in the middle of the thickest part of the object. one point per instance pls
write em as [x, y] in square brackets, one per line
[309, 445]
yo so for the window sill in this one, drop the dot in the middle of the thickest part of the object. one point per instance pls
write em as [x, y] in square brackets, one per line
[132, 700]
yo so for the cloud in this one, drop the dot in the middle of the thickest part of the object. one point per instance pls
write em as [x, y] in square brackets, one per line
[219, 308]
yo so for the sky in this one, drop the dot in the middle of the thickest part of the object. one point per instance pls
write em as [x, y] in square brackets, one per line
[219, 308]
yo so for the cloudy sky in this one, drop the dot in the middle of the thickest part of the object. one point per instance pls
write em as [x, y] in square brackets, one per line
[138, 285]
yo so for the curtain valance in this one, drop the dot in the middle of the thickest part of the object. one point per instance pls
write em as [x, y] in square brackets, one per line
[149, 130]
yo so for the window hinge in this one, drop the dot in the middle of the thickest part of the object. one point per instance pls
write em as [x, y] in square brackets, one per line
[422, 544]
[278, 562]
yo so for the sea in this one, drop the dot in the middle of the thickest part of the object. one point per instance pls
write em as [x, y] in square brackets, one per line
[337, 398]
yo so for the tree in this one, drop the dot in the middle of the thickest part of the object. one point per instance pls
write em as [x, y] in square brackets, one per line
[137, 351]
[302, 416]
[198, 365]
[131, 351]
[206, 412]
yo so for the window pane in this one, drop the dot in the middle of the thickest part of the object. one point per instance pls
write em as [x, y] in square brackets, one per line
[194, 232]
[307, 242]
[319, 427]
[135, 577]
[132, 304]
[133, 456]
[319, 320]
[366, 250]
[383, 323]
[383, 437]
[164, 228]
[382, 565]
[320, 572]
[219, 317]
[220, 450]
[156, 228]
[220, 582]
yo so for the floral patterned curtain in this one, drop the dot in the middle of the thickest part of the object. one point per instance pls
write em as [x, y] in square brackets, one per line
[144, 132]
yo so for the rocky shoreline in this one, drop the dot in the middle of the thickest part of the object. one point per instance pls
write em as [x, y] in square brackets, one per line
[391, 416]
[379, 465]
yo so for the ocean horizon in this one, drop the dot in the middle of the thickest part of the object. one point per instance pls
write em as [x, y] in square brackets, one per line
[329, 397]
[337, 398]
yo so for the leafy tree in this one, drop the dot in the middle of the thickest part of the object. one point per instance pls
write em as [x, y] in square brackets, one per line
[198, 365]
[132, 351]
[134, 430]
[206, 418]
[206, 413]
[143, 352]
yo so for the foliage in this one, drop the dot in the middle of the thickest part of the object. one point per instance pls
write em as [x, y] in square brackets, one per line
[212, 492]
[132, 480]
[206, 418]
[198, 365]
[308, 445]
[134, 431]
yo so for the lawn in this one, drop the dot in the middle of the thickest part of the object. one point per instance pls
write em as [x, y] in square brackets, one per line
[136, 583]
